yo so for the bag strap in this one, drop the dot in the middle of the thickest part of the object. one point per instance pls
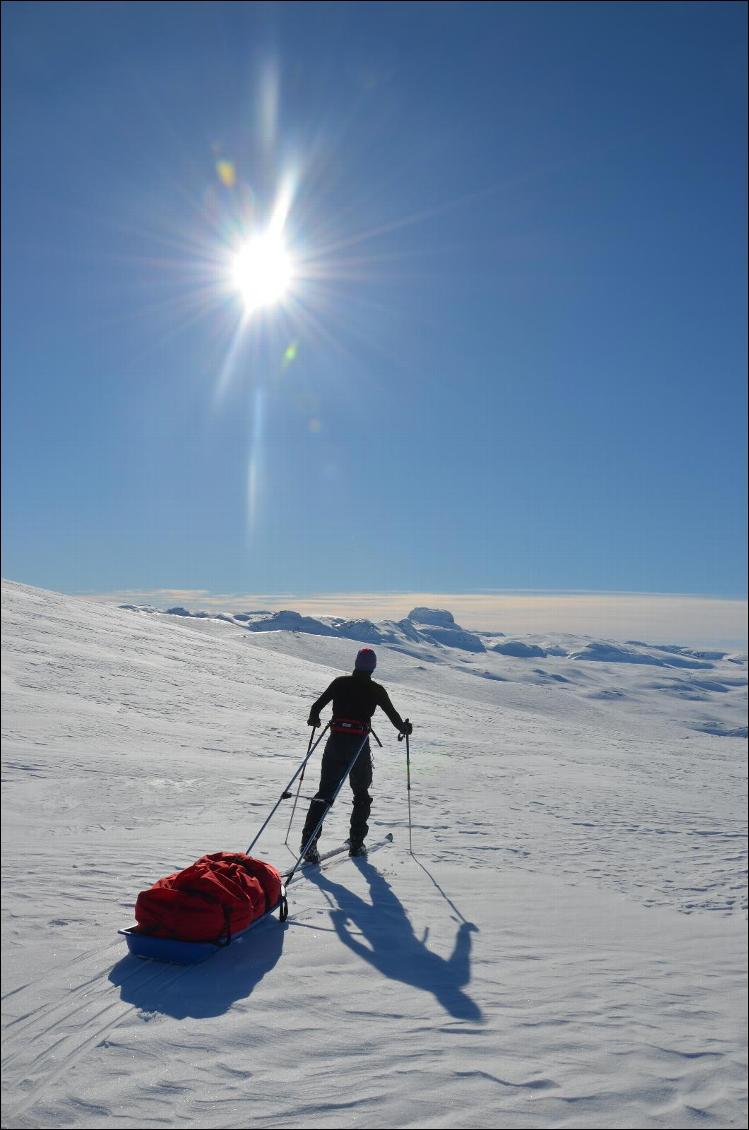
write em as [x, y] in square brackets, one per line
[224, 937]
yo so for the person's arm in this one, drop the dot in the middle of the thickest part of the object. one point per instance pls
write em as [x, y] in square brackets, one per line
[383, 701]
[322, 702]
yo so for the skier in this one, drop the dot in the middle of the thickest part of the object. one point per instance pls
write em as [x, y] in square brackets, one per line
[355, 698]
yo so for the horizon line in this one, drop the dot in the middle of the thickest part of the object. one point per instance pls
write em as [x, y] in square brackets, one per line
[614, 614]
[315, 594]
[325, 593]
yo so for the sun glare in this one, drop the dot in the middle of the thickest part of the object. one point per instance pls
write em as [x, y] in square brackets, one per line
[262, 271]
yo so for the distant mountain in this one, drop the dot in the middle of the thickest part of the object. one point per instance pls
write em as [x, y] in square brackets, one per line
[422, 625]
[426, 628]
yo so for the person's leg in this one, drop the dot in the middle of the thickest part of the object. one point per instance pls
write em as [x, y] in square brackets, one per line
[360, 779]
[332, 769]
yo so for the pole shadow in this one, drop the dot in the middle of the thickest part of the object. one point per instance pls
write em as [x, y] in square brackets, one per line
[392, 946]
[207, 989]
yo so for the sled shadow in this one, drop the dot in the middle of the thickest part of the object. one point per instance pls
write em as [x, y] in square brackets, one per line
[392, 946]
[207, 989]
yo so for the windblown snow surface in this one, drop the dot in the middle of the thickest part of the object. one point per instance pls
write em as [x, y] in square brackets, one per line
[565, 947]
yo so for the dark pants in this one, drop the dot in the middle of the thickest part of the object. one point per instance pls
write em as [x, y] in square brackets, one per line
[340, 750]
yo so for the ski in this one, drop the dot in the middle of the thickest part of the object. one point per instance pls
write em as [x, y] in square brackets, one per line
[305, 865]
[326, 856]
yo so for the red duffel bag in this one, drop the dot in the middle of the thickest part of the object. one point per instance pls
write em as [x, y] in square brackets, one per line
[218, 896]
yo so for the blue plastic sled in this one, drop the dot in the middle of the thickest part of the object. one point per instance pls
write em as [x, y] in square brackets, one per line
[186, 953]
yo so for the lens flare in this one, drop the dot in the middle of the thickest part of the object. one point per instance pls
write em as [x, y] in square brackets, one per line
[227, 174]
[262, 271]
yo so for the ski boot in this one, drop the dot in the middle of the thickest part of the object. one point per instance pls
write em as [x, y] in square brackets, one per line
[357, 847]
[311, 855]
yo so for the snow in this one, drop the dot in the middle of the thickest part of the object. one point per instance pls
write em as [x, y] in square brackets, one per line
[435, 616]
[566, 947]
[520, 649]
[598, 651]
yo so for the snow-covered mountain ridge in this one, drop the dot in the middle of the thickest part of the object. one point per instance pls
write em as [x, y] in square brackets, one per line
[438, 626]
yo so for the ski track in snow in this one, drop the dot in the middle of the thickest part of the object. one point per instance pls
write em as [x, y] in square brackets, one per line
[566, 949]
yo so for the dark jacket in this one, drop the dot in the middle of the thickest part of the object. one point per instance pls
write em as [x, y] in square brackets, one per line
[356, 697]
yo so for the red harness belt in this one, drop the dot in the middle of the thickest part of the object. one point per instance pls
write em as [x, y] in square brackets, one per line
[349, 726]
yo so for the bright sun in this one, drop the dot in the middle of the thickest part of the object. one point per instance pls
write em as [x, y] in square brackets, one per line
[262, 271]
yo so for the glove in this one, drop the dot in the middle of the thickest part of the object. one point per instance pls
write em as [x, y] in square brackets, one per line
[313, 720]
[407, 728]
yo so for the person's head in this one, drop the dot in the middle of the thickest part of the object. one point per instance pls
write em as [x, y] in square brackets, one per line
[366, 661]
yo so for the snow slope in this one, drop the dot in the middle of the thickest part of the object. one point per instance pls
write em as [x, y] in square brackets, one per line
[566, 946]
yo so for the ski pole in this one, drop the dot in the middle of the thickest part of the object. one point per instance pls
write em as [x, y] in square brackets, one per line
[408, 779]
[311, 839]
[286, 794]
[408, 775]
[299, 786]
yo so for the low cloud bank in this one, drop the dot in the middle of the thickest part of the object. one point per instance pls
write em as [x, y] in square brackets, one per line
[671, 618]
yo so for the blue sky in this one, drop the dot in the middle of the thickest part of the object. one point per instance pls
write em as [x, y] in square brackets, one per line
[513, 355]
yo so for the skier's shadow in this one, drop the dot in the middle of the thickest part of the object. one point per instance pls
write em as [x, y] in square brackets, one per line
[207, 989]
[393, 947]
